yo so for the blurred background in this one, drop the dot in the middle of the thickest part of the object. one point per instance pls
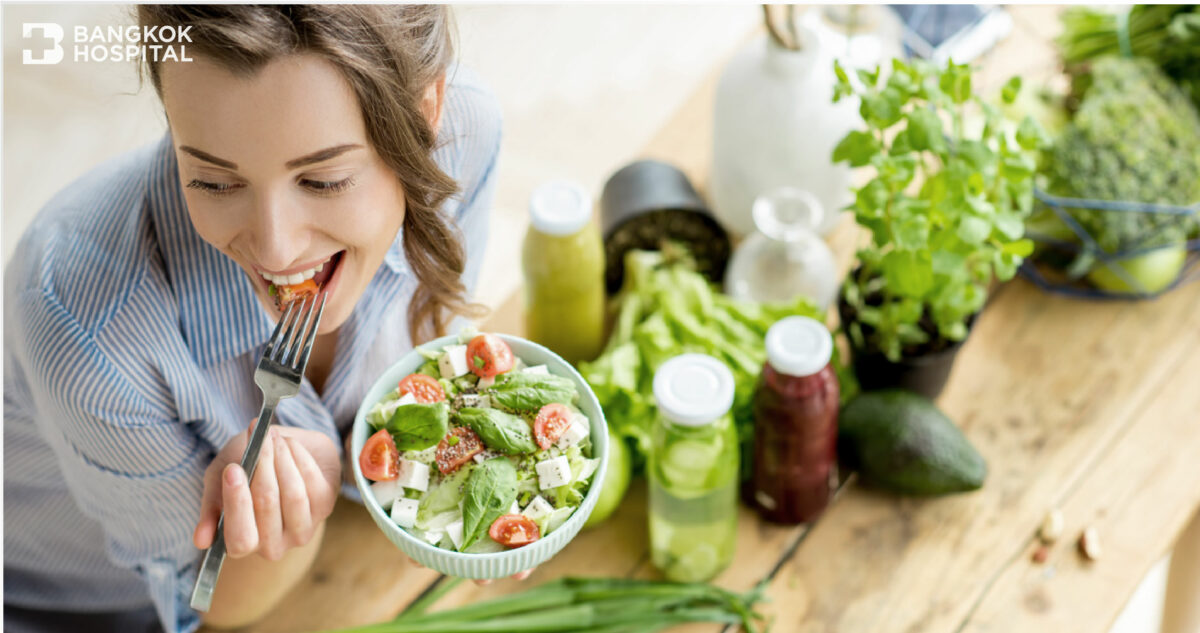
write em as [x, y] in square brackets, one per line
[583, 89]
[567, 77]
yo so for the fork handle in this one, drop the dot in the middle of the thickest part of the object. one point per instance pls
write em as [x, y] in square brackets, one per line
[214, 558]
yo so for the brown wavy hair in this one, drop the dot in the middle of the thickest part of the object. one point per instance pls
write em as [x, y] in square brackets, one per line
[390, 55]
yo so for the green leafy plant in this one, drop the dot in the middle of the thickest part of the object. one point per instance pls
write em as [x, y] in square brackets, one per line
[945, 209]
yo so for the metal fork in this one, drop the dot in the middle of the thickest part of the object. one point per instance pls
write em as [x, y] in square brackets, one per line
[278, 375]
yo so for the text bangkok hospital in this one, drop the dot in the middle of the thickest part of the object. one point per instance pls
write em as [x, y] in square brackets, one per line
[119, 44]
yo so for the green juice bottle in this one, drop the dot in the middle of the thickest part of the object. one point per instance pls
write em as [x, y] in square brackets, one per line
[563, 261]
[693, 469]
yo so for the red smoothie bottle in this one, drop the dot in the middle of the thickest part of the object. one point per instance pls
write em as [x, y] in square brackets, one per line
[795, 416]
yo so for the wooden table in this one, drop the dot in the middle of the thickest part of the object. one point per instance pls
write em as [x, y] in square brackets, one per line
[1089, 407]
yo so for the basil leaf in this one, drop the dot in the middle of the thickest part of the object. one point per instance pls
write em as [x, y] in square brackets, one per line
[416, 427]
[520, 391]
[501, 431]
[490, 491]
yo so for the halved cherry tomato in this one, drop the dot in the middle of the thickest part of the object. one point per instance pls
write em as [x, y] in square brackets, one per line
[488, 355]
[452, 453]
[380, 459]
[425, 389]
[551, 422]
[514, 530]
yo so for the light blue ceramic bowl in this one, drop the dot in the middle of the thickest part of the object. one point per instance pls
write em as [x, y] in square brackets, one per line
[500, 564]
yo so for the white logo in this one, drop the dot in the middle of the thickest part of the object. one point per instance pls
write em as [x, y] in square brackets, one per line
[49, 30]
[107, 44]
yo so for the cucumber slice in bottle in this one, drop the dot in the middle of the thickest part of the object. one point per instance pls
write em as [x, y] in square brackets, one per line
[688, 463]
[700, 563]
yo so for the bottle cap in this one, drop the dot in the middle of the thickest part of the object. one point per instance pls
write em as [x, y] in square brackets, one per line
[787, 213]
[693, 389]
[799, 346]
[560, 207]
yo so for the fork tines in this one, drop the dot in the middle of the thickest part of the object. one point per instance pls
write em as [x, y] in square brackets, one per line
[291, 342]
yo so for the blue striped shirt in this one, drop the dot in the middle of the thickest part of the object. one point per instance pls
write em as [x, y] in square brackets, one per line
[129, 350]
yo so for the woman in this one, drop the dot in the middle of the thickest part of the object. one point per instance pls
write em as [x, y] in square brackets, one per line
[331, 141]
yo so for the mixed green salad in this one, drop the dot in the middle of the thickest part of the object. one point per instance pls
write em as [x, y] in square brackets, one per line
[478, 452]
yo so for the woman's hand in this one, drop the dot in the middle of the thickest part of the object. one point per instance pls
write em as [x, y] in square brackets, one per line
[294, 489]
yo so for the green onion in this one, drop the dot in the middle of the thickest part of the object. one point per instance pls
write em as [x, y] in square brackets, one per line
[418, 607]
[582, 605]
[546, 596]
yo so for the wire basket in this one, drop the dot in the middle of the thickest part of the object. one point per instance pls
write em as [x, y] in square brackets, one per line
[1042, 273]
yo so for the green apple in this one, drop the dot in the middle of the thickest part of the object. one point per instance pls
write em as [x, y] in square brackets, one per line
[616, 480]
[1153, 271]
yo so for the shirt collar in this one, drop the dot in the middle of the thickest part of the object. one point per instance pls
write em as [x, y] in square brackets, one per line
[219, 315]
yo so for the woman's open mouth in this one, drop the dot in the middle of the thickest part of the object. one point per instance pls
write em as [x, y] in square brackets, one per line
[286, 288]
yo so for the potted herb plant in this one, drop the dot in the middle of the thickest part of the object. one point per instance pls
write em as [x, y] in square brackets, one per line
[945, 208]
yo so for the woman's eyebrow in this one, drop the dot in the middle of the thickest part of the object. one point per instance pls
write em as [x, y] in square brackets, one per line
[321, 155]
[208, 158]
[315, 157]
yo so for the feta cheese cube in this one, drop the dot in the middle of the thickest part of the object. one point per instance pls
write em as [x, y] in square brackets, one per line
[404, 512]
[455, 531]
[538, 508]
[407, 398]
[386, 492]
[414, 475]
[484, 383]
[433, 537]
[453, 363]
[575, 433]
[553, 473]
[471, 399]
[536, 369]
[589, 469]
[515, 508]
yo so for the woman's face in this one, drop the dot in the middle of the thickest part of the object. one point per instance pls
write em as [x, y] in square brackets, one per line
[278, 174]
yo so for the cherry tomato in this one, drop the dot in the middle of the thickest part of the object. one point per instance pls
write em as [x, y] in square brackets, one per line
[452, 453]
[287, 294]
[380, 459]
[514, 530]
[425, 389]
[551, 422]
[488, 355]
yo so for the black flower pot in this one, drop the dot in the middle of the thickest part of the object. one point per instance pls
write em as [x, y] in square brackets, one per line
[925, 372]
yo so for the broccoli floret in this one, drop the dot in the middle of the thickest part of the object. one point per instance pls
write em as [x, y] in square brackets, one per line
[1135, 137]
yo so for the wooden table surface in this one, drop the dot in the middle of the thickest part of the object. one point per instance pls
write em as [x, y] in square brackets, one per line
[1089, 407]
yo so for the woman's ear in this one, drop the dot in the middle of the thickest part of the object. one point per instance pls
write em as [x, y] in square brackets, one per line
[432, 102]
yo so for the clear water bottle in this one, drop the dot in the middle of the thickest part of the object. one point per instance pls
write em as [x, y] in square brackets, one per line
[693, 469]
[785, 258]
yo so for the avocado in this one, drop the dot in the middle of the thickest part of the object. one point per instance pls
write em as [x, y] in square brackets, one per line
[901, 442]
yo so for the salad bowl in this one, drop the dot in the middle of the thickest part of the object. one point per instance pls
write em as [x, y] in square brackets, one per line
[496, 564]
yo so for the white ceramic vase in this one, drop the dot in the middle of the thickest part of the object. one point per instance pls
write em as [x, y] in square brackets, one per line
[776, 124]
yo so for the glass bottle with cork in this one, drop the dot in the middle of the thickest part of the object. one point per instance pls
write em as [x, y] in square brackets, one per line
[693, 469]
[795, 418]
[563, 261]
